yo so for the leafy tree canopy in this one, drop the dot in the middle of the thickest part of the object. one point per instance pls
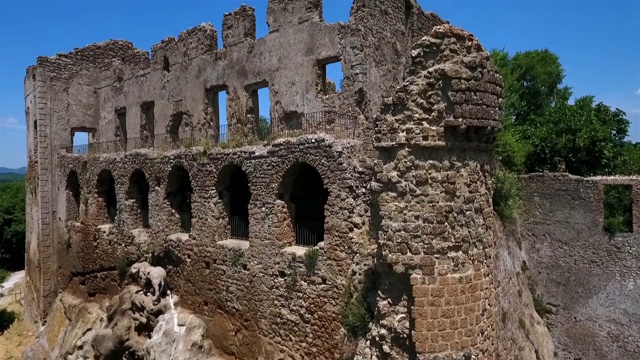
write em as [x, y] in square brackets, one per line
[543, 131]
[12, 225]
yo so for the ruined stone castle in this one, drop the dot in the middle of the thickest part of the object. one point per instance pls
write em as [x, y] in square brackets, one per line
[384, 185]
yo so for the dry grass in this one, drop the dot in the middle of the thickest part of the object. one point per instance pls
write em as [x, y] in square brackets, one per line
[15, 340]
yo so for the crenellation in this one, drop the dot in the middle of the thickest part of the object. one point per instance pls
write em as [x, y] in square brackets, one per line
[239, 26]
[285, 13]
[192, 43]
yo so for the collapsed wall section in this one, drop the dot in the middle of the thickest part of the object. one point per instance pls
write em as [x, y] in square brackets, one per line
[586, 277]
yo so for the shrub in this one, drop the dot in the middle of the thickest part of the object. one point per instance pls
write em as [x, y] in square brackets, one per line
[311, 259]
[122, 266]
[7, 318]
[541, 307]
[236, 258]
[507, 195]
[355, 313]
[4, 274]
[618, 209]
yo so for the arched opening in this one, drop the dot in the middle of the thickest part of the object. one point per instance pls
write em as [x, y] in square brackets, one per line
[303, 190]
[106, 190]
[179, 195]
[233, 190]
[73, 196]
[139, 192]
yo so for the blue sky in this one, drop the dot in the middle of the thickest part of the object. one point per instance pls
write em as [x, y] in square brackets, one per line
[598, 41]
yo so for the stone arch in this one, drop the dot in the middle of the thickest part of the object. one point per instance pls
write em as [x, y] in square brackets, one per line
[302, 189]
[106, 191]
[139, 192]
[178, 194]
[73, 190]
[233, 189]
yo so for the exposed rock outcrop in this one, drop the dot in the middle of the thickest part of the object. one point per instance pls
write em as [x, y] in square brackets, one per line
[130, 325]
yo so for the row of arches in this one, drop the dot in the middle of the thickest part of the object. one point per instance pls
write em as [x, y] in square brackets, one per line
[301, 188]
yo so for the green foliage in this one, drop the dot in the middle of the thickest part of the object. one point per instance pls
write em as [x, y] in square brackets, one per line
[354, 311]
[311, 257]
[122, 266]
[4, 275]
[618, 209]
[237, 256]
[263, 130]
[507, 195]
[7, 318]
[541, 307]
[12, 225]
[10, 177]
[544, 132]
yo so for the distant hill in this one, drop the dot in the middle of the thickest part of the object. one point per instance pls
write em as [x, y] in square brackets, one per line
[7, 177]
[21, 170]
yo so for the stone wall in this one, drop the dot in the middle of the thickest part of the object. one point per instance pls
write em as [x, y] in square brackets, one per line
[261, 283]
[588, 278]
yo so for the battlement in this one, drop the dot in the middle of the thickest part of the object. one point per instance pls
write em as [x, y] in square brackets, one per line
[238, 26]
[194, 42]
[283, 13]
[102, 55]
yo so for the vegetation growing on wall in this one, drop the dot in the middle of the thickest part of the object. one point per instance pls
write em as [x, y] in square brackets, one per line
[355, 312]
[618, 209]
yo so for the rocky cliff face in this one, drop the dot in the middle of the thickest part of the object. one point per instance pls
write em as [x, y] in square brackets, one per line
[127, 326]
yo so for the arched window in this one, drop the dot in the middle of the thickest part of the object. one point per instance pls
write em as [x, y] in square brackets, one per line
[233, 190]
[303, 190]
[139, 192]
[73, 196]
[106, 190]
[179, 195]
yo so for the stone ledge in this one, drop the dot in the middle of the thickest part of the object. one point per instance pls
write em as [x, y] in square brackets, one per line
[235, 244]
[179, 236]
[298, 251]
[105, 229]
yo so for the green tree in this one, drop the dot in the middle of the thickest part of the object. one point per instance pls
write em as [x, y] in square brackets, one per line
[544, 132]
[12, 225]
[264, 128]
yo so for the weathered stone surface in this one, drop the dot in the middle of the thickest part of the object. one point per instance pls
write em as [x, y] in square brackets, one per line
[398, 185]
[588, 278]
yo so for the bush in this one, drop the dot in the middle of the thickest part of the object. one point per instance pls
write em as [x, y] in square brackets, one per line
[7, 318]
[355, 313]
[237, 256]
[122, 266]
[311, 259]
[541, 307]
[507, 195]
[618, 209]
[4, 274]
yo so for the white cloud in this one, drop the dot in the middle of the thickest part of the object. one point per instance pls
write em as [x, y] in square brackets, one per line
[10, 122]
[637, 92]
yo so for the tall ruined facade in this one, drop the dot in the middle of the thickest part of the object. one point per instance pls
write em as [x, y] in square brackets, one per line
[389, 179]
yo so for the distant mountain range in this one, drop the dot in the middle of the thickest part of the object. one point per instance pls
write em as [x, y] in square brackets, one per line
[21, 170]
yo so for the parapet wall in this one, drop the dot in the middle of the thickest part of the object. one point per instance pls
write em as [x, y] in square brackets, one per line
[589, 278]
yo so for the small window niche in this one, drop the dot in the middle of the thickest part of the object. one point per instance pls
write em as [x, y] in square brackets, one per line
[147, 123]
[330, 72]
[261, 104]
[216, 112]
[121, 127]
[618, 209]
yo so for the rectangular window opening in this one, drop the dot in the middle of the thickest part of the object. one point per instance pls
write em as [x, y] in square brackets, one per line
[331, 75]
[618, 209]
[147, 123]
[217, 111]
[261, 110]
[121, 127]
[81, 138]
